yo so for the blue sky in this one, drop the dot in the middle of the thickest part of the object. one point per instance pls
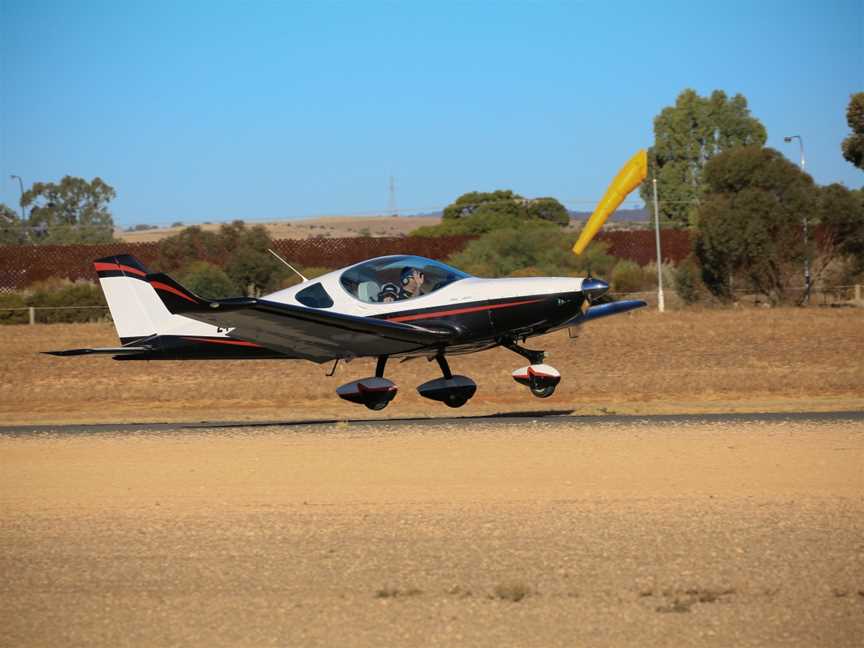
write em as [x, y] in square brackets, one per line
[199, 111]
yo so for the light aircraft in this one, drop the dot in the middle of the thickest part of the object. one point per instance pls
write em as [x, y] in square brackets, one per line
[389, 307]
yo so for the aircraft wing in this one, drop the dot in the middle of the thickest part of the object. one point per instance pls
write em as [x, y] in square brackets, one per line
[296, 331]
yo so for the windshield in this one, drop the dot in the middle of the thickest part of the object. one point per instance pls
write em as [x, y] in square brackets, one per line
[397, 278]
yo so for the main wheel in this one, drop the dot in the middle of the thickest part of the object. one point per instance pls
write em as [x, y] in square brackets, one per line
[377, 406]
[455, 401]
[542, 392]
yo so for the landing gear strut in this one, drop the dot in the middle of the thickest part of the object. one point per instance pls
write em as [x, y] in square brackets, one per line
[373, 392]
[453, 391]
[540, 378]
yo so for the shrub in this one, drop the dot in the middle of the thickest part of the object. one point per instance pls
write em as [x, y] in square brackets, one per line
[687, 281]
[513, 592]
[70, 296]
[627, 276]
[13, 300]
[240, 250]
[530, 271]
[543, 248]
[208, 281]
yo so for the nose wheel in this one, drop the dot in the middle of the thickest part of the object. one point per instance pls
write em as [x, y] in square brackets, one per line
[541, 379]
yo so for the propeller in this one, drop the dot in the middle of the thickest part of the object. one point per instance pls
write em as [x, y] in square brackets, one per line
[629, 177]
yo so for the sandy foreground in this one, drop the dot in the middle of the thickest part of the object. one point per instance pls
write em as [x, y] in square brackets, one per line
[480, 534]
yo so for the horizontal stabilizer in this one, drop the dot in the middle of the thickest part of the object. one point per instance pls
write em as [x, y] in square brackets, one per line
[123, 350]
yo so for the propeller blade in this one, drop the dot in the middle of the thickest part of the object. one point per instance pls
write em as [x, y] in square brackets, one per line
[629, 177]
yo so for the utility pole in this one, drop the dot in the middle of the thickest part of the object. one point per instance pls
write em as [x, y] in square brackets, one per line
[806, 298]
[661, 304]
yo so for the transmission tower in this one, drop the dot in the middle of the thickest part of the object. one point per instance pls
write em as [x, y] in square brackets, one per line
[391, 203]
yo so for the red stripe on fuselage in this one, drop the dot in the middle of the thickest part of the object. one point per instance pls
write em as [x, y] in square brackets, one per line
[161, 286]
[222, 341]
[459, 311]
[107, 267]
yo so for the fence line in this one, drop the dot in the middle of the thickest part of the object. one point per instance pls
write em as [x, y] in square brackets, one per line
[22, 265]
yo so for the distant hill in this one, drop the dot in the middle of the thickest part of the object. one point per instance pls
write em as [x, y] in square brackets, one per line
[348, 226]
[638, 215]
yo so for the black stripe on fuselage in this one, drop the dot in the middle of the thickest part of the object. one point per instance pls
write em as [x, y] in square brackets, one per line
[482, 319]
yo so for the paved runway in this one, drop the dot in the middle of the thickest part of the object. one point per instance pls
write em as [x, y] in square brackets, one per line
[553, 417]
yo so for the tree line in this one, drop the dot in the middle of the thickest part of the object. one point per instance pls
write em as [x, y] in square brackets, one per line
[743, 203]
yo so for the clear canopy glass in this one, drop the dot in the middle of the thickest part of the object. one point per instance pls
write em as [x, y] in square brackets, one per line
[396, 278]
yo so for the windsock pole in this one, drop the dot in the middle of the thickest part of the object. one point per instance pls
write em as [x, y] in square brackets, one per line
[661, 305]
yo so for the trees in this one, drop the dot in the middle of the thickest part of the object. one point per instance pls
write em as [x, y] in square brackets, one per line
[686, 136]
[11, 227]
[71, 211]
[841, 213]
[853, 146]
[480, 212]
[750, 221]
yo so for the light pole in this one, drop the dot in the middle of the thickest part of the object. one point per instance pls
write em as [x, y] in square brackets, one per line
[806, 299]
[21, 187]
[661, 305]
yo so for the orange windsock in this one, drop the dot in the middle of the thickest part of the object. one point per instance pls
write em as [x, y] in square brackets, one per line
[629, 177]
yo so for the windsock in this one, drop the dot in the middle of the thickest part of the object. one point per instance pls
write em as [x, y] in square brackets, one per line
[629, 177]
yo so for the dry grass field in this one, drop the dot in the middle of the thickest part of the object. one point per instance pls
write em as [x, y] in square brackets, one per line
[643, 362]
[328, 226]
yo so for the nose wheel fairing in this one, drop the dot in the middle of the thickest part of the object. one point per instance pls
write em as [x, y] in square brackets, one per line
[541, 379]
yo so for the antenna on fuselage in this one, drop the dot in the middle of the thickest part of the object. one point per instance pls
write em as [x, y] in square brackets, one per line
[296, 271]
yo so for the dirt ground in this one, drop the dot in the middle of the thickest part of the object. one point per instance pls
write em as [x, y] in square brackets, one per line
[489, 535]
[640, 362]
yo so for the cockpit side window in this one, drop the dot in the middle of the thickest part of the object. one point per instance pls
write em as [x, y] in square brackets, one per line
[315, 297]
[397, 278]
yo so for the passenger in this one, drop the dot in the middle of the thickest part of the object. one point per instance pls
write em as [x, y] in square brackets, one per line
[412, 282]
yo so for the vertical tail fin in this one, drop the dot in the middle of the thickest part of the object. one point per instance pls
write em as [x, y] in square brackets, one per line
[136, 309]
[123, 280]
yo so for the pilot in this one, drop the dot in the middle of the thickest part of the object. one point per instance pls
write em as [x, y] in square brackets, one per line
[412, 282]
[389, 293]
